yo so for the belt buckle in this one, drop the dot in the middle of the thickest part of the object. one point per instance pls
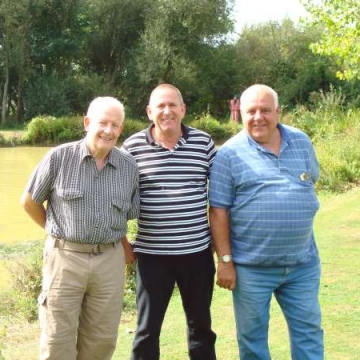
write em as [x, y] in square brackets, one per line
[96, 249]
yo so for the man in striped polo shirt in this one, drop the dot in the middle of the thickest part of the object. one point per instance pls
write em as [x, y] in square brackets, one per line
[91, 190]
[262, 207]
[173, 240]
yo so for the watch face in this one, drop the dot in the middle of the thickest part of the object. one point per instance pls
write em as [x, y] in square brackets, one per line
[226, 258]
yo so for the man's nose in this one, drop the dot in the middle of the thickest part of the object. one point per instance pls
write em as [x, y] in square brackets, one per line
[257, 115]
[107, 128]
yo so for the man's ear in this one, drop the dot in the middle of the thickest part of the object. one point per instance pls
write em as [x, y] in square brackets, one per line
[86, 123]
[148, 111]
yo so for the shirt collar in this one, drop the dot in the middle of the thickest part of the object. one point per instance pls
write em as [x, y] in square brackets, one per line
[85, 152]
[285, 137]
[150, 139]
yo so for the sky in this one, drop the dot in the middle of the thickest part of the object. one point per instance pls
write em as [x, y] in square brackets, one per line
[251, 12]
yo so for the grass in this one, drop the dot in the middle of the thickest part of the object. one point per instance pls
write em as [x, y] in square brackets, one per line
[338, 236]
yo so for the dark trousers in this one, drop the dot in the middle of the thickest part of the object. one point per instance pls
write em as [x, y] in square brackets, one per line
[156, 278]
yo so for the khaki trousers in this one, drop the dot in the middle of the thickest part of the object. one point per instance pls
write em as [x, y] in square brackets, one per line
[80, 303]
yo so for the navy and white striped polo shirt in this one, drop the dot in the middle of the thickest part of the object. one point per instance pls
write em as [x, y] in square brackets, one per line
[173, 191]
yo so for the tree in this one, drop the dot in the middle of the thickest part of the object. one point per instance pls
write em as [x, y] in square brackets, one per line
[339, 21]
[278, 54]
[14, 55]
[176, 46]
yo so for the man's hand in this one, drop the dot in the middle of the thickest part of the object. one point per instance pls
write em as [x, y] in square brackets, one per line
[130, 256]
[226, 275]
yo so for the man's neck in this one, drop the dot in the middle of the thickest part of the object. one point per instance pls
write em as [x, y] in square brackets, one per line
[167, 140]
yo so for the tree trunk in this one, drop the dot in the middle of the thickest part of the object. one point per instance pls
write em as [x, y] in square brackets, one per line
[5, 92]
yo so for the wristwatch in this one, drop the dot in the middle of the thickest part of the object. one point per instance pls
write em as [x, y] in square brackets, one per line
[225, 258]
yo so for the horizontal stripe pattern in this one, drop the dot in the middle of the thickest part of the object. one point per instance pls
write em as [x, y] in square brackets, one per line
[173, 192]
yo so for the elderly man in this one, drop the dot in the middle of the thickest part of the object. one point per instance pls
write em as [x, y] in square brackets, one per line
[91, 190]
[262, 206]
[173, 241]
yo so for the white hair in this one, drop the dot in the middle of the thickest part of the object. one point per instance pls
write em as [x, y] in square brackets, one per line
[101, 102]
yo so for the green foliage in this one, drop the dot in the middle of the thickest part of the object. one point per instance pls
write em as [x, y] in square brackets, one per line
[131, 127]
[335, 133]
[338, 20]
[278, 54]
[57, 55]
[3, 141]
[26, 275]
[9, 141]
[46, 96]
[48, 130]
[130, 285]
[214, 128]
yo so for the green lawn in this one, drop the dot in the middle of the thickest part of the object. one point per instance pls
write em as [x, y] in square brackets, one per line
[338, 237]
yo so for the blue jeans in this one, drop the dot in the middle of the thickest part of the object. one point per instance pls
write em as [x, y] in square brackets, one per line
[296, 290]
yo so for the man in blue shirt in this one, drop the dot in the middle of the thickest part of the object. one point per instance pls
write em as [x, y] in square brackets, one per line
[262, 206]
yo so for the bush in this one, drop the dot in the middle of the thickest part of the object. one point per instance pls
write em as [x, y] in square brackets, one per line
[130, 285]
[26, 274]
[214, 128]
[10, 141]
[131, 127]
[3, 141]
[48, 130]
[339, 158]
[335, 133]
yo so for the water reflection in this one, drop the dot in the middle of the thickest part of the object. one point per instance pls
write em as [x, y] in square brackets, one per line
[16, 165]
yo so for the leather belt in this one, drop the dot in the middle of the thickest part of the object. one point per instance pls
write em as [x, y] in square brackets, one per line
[83, 248]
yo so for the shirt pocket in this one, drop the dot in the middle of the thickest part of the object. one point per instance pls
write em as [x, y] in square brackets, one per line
[119, 212]
[70, 194]
[72, 206]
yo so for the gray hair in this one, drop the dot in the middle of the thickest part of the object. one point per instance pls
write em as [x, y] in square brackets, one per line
[102, 102]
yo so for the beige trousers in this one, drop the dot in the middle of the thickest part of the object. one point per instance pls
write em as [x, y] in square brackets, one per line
[81, 302]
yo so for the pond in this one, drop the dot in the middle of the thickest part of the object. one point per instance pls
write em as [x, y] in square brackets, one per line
[16, 166]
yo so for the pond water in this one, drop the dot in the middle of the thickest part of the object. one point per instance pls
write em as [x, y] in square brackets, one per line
[16, 166]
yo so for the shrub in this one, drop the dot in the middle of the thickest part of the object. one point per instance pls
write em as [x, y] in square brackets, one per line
[10, 141]
[339, 158]
[131, 127]
[214, 128]
[335, 134]
[48, 130]
[130, 285]
[26, 274]
[2, 140]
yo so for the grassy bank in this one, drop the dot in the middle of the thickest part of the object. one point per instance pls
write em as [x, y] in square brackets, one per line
[338, 237]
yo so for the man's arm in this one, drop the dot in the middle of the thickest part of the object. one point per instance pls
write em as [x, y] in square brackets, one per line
[36, 211]
[220, 231]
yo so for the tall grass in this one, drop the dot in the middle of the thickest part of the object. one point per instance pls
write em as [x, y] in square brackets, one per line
[335, 133]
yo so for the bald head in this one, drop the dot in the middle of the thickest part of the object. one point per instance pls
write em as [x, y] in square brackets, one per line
[165, 87]
[257, 89]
